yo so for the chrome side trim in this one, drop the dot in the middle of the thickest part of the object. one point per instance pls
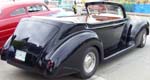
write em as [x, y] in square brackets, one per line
[119, 52]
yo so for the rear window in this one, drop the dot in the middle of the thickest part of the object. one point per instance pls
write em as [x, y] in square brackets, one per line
[37, 32]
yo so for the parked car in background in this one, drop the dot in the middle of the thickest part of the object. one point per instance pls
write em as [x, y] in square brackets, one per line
[12, 12]
[61, 12]
[58, 46]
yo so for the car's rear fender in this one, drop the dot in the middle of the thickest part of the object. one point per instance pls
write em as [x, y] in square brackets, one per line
[66, 49]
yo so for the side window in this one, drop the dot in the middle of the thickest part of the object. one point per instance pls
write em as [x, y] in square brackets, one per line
[36, 8]
[32, 8]
[19, 11]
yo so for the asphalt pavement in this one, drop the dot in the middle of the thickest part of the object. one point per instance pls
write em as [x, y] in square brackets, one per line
[134, 65]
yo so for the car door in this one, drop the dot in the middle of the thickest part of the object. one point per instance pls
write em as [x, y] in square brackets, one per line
[110, 33]
[108, 21]
[38, 10]
[9, 23]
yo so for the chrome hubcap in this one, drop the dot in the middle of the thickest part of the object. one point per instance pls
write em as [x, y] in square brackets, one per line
[144, 38]
[89, 62]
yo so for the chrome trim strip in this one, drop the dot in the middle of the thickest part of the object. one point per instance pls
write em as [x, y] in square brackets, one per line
[115, 54]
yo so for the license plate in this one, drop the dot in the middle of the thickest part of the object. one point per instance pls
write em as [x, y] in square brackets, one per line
[20, 55]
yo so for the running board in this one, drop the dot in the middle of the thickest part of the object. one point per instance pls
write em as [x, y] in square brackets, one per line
[119, 52]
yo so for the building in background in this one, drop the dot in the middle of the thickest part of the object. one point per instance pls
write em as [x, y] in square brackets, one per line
[132, 1]
[140, 6]
[59, 1]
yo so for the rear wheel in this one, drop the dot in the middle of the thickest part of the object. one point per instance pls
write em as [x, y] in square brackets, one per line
[143, 39]
[89, 61]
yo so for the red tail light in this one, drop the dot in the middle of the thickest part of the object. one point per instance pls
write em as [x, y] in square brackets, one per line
[50, 65]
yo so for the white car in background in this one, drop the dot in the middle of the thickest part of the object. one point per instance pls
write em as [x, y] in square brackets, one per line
[62, 12]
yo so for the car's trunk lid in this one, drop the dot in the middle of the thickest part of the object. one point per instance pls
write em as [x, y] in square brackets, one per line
[33, 35]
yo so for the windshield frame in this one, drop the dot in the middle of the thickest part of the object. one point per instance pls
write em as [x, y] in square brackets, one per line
[107, 3]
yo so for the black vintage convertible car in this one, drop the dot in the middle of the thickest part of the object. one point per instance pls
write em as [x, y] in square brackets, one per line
[63, 45]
